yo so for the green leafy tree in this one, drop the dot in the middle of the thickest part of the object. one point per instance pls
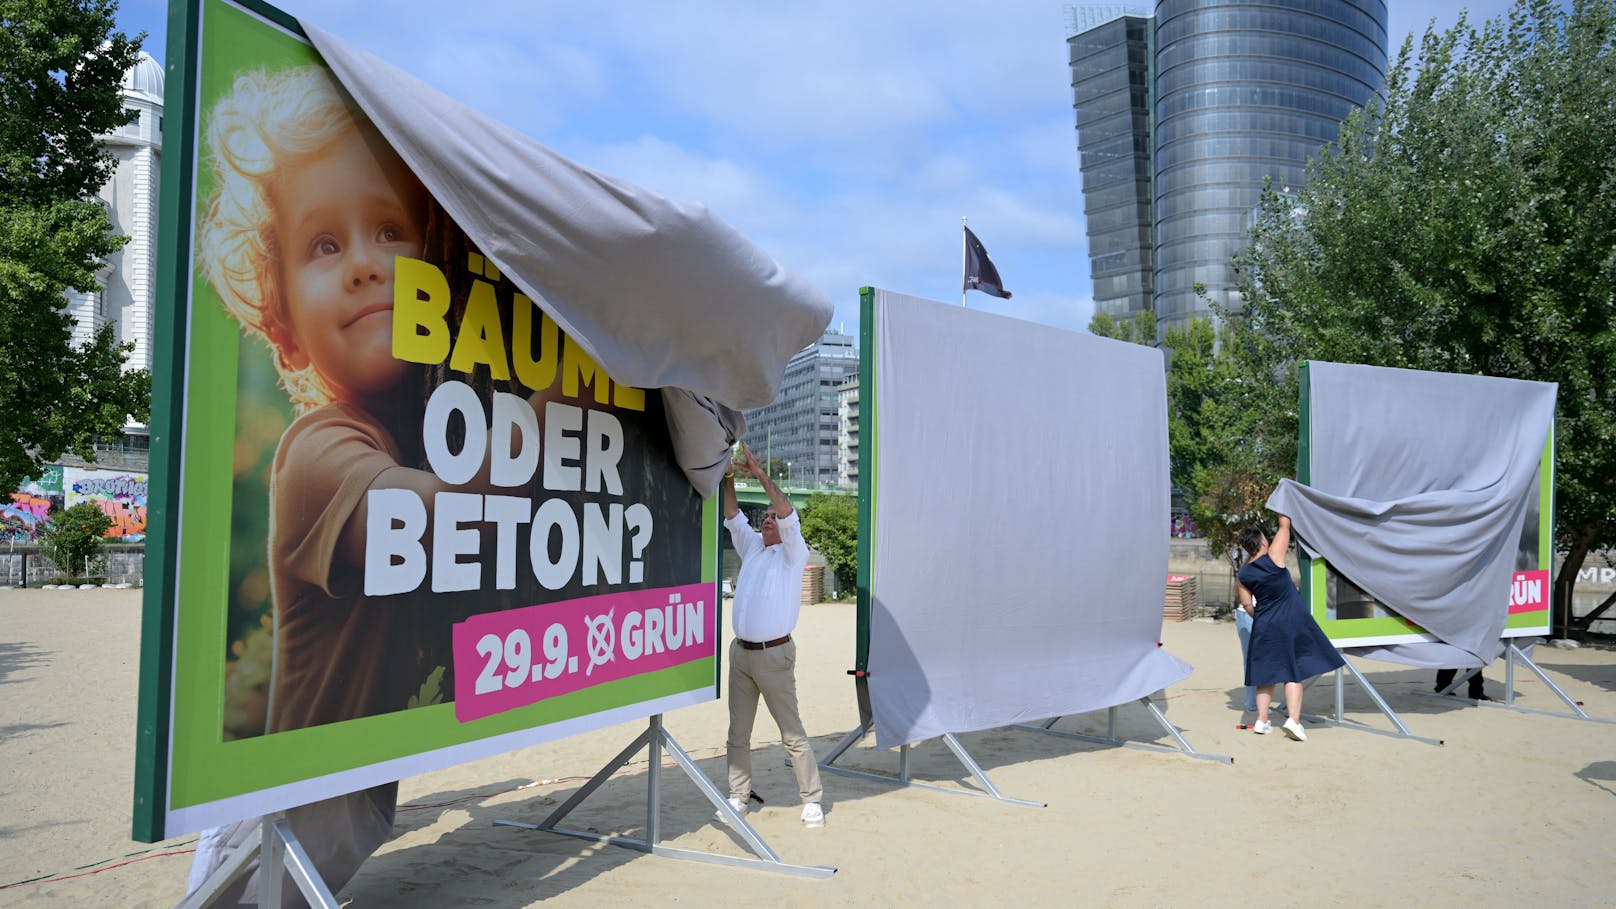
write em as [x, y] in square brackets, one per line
[73, 538]
[1224, 465]
[1465, 224]
[830, 525]
[1141, 329]
[61, 65]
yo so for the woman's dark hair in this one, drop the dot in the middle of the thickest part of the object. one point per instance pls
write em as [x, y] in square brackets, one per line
[1250, 539]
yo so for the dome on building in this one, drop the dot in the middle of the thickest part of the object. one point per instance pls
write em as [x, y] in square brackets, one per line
[145, 77]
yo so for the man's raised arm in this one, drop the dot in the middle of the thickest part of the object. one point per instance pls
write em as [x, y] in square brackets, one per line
[781, 503]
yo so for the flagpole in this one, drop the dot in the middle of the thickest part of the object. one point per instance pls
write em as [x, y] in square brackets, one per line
[965, 256]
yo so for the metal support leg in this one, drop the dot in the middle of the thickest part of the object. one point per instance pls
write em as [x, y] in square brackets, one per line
[302, 870]
[1184, 747]
[656, 739]
[269, 866]
[278, 852]
[1509, 676]
[237, 866]
[1374, 695]
[653, 776]
[902, 779]
[848, 741]
[1512, 655]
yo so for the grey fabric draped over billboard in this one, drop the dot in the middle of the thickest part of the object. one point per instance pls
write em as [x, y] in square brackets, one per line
[662, 293]
[1020, 521]
[1418, 487]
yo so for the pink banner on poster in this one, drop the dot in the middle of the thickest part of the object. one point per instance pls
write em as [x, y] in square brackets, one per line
[1529, 592]
[505, 660]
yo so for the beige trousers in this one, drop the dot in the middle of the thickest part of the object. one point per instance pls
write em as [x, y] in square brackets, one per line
[771, 673]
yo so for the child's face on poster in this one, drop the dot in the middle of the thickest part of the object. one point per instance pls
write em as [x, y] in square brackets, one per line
[341, 218]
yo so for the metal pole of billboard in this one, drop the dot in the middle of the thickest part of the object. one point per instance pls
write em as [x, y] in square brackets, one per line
[1512, 656]
[656, 739]
[989, 790]
[1374, 695]
[277, 849]
[1110, 737]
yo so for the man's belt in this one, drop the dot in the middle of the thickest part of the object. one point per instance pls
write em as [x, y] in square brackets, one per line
[753, 645]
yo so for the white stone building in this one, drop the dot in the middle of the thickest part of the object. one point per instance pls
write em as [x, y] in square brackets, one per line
[130, 279]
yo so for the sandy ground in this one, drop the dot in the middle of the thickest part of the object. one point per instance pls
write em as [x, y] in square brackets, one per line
[1516, 808]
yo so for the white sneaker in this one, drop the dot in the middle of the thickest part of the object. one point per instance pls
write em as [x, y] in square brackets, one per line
[737, 804]
[1294, 730]
[813, 815]
[1261, 727]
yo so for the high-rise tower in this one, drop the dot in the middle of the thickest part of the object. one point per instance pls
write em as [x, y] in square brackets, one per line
[1231, 93]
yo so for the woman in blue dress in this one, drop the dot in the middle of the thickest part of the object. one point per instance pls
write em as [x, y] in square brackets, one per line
[1287, 646]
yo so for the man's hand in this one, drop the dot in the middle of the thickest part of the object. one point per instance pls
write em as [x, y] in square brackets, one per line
[750, 463]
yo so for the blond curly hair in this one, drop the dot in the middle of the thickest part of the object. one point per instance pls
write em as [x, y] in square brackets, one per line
[267, 124]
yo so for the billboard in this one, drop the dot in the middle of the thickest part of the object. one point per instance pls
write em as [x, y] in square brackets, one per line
[1014, 520]
[1410, 414]
[400, 519]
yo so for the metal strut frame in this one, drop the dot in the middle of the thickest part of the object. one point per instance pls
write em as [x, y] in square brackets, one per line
[1374, 695]
[656, 738]
[1110, 737]
[1513, 655]
[903, 779]
[277, 848]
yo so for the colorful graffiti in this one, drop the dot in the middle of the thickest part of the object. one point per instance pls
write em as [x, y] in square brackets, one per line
[24, 516]
[120, 496]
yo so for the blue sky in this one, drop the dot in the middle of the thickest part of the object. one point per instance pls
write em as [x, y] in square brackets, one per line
[846, 138]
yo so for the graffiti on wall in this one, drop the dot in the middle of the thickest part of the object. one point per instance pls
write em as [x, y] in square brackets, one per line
[120, 495]
[23, 517]
[23, 514]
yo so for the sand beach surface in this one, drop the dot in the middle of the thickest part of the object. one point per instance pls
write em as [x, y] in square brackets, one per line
[1513, 809]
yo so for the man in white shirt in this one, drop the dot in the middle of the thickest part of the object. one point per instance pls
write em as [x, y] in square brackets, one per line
[763, 657]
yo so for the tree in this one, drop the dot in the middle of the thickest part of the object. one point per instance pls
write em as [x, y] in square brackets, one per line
[1225, 466]
[1465, 224]
[1141, 329]
[73, 537]
[61, 66]
[830, 525]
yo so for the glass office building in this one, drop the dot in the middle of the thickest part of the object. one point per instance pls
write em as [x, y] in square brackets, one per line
[800, 429]
[1111, 92]
[1236, 93]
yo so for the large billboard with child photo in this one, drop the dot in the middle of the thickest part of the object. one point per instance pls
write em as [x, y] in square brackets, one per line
[409, 522]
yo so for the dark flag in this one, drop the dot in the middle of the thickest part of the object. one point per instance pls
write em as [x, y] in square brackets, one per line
[979, 271]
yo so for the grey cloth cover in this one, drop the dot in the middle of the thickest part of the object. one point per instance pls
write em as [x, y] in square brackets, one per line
[1419, 484]
[661, 293]
[1430, 654]
[702, 431]
[1021, 522]
[1437, 655]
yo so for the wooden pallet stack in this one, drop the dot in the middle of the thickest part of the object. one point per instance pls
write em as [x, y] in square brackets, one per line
[1181, 602]
[813, 584]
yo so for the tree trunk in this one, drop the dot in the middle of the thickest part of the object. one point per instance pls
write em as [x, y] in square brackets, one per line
[1565, 583]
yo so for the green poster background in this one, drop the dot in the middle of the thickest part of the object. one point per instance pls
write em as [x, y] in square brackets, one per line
[209, 398]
